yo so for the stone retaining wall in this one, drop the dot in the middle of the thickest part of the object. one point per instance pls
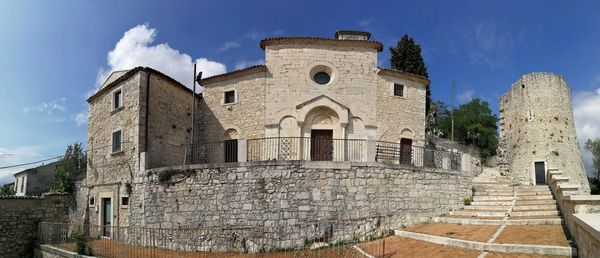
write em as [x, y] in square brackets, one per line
[288, 194]
[19, 218]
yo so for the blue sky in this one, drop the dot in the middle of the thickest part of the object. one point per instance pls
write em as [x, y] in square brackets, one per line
[53, 53]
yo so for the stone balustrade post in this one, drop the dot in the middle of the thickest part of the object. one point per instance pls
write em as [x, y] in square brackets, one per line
[242, 150]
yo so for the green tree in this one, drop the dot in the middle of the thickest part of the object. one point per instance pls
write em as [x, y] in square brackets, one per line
[406, 56]
[593, 146]
[7, 190]
[474, 124]
[72, 165]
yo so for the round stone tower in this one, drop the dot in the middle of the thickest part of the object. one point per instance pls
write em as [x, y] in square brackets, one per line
[537, 131]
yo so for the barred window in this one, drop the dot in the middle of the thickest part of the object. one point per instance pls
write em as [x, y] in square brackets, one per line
[398, 90]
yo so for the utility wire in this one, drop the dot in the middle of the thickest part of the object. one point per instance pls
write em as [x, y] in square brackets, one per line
[30, 163]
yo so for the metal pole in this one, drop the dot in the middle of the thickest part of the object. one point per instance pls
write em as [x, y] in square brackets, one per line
[193, 104]
[452, 112]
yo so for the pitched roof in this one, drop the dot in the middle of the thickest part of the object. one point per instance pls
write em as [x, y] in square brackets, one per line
[321, 41]
[233, 74]
[404, 75]
[132, 72]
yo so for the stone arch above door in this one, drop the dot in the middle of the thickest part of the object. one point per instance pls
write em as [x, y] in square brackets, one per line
[341, 110]
[407, 133]
[231, 134]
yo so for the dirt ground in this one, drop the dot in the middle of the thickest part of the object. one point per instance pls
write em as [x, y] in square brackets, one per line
[113, 249]
[534, 235]
[481, 233]
[515, 255]
[399, 247]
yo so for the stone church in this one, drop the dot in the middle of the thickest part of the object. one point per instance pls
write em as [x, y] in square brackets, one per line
[325, 96]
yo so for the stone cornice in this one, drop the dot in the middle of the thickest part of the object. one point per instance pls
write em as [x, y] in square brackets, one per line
[404, 75]
[320, 41]
[233, 75]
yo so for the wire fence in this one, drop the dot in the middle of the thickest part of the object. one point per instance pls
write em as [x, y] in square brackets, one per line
[319, 239]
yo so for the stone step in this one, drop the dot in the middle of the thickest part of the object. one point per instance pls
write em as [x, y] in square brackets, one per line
[535, 213]
[479, 213]
[488, 207]
[535, 207]
[488, 203]
[534, 202]
[483, 221]
[492, 198]
[535, 197]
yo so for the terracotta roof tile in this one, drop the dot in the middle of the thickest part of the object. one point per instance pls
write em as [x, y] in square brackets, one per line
[233, 74]
[404, 75]
[131, 73]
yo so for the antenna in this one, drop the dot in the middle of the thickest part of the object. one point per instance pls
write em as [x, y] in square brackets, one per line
[452, 112]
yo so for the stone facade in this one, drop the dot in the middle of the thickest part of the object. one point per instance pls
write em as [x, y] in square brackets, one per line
[280, 98]
[283, 195]
[19, 218]
[35, 181]
[149, 121]
[536, 125]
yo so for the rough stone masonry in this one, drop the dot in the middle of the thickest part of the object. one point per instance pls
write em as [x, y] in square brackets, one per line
[284, 195]
[536, 125]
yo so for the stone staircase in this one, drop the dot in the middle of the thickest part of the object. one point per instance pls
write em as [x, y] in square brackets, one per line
[526, 220]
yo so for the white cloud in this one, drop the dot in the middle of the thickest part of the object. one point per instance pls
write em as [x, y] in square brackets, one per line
[587, 121]
[366, 22]
[18, 155]
[230, 45]
[48, 107]
[466, 96]
[135, 48]
[254, 35]
[81, 118]
[247, 63]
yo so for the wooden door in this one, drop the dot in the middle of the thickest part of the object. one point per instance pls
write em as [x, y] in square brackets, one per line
[405, 151]
[540, 173]
[321, 145]
[106, 216]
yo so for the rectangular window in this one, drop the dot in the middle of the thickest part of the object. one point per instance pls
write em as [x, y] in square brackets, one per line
[92, 201]
[398, 90]
[229, 97]
[117, 139]
[117, 99]
[124, 201]
[22, 184]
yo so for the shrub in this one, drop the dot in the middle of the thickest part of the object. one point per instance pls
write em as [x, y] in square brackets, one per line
[468, 201]
[81, 244]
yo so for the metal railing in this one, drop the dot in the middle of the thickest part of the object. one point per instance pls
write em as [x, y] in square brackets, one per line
[201, 153]
[317, 239]
[417, 156]
[307, 148]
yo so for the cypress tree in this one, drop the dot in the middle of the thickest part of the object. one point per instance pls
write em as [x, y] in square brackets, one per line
[406, 56]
